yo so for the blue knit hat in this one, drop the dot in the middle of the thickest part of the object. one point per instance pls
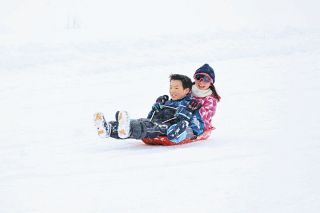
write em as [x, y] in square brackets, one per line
[207, 70]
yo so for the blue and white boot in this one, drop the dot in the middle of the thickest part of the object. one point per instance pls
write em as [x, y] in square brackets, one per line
[103, 127]
[123, 119]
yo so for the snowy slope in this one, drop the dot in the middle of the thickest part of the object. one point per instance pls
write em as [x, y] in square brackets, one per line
[263, 156]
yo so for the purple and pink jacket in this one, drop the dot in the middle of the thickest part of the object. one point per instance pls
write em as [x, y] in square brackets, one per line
[208, 109]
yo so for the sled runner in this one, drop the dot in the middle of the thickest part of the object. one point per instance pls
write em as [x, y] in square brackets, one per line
[163, 140]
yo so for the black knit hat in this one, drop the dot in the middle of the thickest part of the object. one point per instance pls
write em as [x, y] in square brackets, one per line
[207, 70]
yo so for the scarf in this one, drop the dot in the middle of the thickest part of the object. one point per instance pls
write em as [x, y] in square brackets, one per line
[200, 93]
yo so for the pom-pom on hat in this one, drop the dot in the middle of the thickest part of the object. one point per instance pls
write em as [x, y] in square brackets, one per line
[206, 69]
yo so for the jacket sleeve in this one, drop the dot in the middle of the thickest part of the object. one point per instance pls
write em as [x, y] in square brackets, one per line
[193, 117]
[161, 100]
[208, 109]
[209, 106]
[152, 112]
[183, 113]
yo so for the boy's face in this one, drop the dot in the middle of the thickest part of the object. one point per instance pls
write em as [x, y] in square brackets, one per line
[176, 90]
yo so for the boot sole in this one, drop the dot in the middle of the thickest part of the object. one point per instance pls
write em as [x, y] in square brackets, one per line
[99, 123]
[124, 124]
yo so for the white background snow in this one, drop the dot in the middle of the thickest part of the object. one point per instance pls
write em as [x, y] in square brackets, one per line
[61, 61]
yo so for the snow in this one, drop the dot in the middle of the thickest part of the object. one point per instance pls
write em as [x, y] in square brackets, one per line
[263, 156]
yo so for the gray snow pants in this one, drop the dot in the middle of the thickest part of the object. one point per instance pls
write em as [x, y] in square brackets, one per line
[144, 128]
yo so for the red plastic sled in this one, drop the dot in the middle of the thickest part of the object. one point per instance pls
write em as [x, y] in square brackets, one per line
[164, 141]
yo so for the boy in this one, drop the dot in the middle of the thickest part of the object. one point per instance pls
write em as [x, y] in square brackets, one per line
[177, 118]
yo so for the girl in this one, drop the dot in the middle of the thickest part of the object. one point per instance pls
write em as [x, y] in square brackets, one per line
[203, 90]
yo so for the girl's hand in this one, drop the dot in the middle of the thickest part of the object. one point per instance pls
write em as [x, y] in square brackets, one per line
[194, 105]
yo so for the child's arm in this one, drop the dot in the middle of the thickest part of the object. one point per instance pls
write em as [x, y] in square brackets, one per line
[186, 112]
[157, 106]
[208, 108]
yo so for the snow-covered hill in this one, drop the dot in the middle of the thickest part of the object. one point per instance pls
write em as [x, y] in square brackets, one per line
[63, 60]
[263, 156]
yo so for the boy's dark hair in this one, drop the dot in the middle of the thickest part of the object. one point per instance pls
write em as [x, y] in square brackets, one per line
[186, 81]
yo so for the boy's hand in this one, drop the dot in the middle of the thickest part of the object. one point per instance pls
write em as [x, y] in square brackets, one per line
[162, 99]
[194, 105]
[159, 102]
[156, 106]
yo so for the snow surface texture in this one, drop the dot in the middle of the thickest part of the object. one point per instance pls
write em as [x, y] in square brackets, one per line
[263, 157]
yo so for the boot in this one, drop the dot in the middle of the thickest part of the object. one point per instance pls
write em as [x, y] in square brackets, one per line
[123, 120]
[103, 128]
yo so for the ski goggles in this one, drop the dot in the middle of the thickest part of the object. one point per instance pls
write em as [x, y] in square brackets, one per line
[203, 77]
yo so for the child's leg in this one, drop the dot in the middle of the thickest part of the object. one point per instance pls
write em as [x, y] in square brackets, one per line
[178, 132]
[114, 129]
[138, 128]
[144, 128]
[105, 129]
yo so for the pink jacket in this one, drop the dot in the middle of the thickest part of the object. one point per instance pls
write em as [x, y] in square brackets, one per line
[208, 109]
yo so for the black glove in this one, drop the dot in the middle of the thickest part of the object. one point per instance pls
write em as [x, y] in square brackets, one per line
[156, 106]
[162, 99]
[194, 105]
[159, 102]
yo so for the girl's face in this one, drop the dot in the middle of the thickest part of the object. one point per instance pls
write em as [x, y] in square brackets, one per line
[202, 85]
[177, 91]
[202, 81]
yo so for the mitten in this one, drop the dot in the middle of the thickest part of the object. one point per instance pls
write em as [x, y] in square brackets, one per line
[194, 105]
[159, 102]
[162, 99]
[156, 106]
